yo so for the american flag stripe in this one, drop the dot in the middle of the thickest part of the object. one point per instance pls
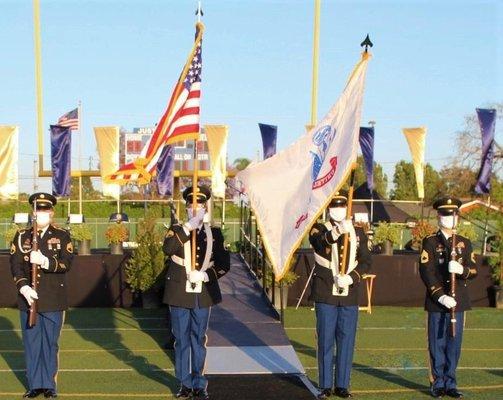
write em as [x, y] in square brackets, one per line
[179, 122]
[70, 120]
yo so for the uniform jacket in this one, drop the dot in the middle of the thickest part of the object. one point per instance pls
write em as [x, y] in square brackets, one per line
[321, 239]
[433, 268]
[176, 274]
[56, 245]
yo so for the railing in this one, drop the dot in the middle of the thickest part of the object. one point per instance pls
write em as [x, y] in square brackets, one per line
[253, 252]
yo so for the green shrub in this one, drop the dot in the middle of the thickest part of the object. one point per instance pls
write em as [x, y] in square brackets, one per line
[387, 231]
[10, 233]
[145, 267]
[467, 231]
[80, 232]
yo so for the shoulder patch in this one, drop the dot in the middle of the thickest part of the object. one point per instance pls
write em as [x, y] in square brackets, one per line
[12, 248]
[314, 231]
[472, 257]
[424, 257]
[69, 247]
[170, 233]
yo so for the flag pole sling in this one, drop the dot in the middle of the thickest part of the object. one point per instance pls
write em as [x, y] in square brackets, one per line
[32, 317]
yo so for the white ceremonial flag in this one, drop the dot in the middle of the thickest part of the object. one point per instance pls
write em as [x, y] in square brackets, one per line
[289, 191]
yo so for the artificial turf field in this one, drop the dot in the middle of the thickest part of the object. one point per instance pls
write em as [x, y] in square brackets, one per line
[116, 353]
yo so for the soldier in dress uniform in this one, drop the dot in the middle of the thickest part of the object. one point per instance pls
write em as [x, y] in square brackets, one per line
[190, 293]
[53, 260]
[435, 268]
[336, 295]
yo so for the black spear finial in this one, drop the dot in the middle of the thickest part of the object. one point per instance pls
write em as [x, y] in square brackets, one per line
[366, 43]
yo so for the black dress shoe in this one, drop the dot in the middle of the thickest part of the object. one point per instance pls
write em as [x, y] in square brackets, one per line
[454, 393]
[342, 392]
[437, 393]
[50, 394]
[201, 394]
[324, 394]
[32, 393]
[184, 392]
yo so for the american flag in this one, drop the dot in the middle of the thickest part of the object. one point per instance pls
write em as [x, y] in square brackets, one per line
[70, 120]
[179, 122]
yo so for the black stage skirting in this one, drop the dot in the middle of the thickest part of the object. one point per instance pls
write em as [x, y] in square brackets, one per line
[397, 281]
[99, 280]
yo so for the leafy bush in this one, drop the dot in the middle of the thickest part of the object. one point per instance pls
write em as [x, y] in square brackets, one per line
[10, 233]
[468, 231]
[420, 231]
[387, 231]
[144, 268]
[80, 232]
[116, 233]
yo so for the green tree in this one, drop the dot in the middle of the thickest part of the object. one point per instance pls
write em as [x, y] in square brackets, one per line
[380, 178]
[88, 191]
[405, 187]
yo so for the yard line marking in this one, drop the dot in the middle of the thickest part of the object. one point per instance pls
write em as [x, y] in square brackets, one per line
[421, 389]
[391, 328]
[391, 349]
[417, 368]
[96, 370]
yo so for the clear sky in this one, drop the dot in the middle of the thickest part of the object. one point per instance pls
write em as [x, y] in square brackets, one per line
[434, 62]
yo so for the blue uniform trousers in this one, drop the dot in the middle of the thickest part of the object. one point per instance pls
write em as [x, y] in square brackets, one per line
[335, 325]
[41, 348]
[189, 327]
[444, 350]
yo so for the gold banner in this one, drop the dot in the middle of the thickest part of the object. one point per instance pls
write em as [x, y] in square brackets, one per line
[416, 138]
[9, 143]
[217, 146]
[107, 138]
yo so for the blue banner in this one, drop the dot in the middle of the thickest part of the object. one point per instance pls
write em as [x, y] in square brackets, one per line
[61, 148]
[269, 137]
[487, 122]
[165, 168]
[367, 146]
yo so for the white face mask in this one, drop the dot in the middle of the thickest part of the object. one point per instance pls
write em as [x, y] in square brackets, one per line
[337, 213]
[43, 219]
[448, 221]
[190, 213]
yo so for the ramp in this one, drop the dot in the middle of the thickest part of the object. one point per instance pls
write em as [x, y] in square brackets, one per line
[246, 341]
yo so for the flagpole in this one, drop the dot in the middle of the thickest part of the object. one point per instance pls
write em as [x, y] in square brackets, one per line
[316, 47]
[38, 82]
[372, 124]
[79, 116]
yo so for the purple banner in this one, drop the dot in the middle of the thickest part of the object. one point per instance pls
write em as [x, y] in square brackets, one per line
[269, 137]
[367, 146]
[487, 123]
[165, 168]
[61, 148]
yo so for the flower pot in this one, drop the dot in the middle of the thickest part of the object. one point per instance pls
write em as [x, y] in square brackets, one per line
[116, 248]
[387, 247]
[277, 298]
[496, 296]
[151, 298]
[84, 247]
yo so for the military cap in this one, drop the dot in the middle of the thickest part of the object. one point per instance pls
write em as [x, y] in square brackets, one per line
[45, 201]
[340, 199]
[447, 205]
[203, 193]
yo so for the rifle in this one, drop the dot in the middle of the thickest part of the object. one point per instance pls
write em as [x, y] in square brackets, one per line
[452, 288]
[32, 319]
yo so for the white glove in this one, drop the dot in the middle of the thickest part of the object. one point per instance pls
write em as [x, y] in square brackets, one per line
[29, 294]
[36, 257]
[196, 220]
[447, 301]
[455, 268]
[196, 276]
[344, 281]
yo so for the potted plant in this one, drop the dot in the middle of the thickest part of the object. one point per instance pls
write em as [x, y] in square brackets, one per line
[288, 280]
[387, 234]
[82, 234]
[421, 230]
[144, 270]
[116, 234]
[496, 263]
